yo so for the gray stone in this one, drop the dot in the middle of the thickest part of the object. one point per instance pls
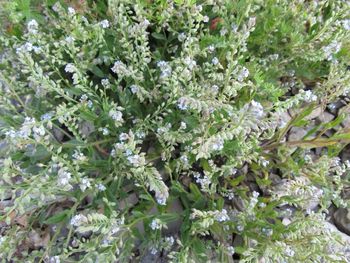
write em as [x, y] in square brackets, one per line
[342, 220]
[86, 128]
[296, 133]
[325, 117]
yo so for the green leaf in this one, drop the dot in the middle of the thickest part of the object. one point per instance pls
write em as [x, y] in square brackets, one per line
[57, 218]
[158, 36]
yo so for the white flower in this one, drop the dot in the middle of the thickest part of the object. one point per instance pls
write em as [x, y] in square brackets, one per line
[71, 11]
[32, 26]
[289, 252]
[205, 19]
[136, 160]
[101, 187]
[346, 24]
[222, 216]
[214, 89]
[85, 183]
[308, 96]
[104, 23]
[145, 23]
[105, 82]
[181, 37]
[120, 68]
[184, 159]
[190, 63]
[134, 89]
[215, 61]
[83, 97]
[46, 116]
[156, 224]
[123, 136]
[230, 250]
[182, 103]
[331, 49]
[116, 115]
[244, 73]
[78, 220]
[154, 251]
[105, 131]
[79, 156]
[183, 125]
[39, 132]
[211, 49]
[70, 68]
[69, 39]
[90, 104]
[63, 177]
[54, 259]
[256, 109]
[164, 68]
[217, 144]
[223, 31]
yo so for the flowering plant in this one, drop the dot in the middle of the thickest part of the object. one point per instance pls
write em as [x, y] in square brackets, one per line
[187, 130]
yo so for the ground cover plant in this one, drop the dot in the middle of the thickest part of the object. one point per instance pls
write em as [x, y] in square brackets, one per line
[174, 131]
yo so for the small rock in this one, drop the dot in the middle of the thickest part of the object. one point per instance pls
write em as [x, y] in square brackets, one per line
[296, 133]
[58, 134]
[342, 220]
[86, 128]
[325, 117]
[130, 201]
[174, 226]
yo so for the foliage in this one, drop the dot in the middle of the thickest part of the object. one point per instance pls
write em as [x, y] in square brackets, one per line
[115, 112]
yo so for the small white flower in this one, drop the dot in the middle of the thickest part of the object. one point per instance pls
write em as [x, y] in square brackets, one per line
[211, 49]
[181, 37]
[105, 82]
[230, 250]
[116, 115]
[85, 183]
[190, 63]
[123, 136]
[54, 259]
[78, 220]
[145, 23]
[205, 19]
[309, 96]
[71, 11]
[83, 98]
[256, 109]
[154, 251]
[346, 24]
[134, 89]
[156, 224]
[136, 160]
[222, 216]
[182, 103]
[90, 104]
[63, 177]
[223, 31]
[101, 187]
[69, 39]
[184, 159]
[183, 125]
[70, 68]
[215, 61]
[218, 144]
[32, 26]
[120, 68]
[244, 73]
[105, 131]
[104, 23]
[164, 68]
